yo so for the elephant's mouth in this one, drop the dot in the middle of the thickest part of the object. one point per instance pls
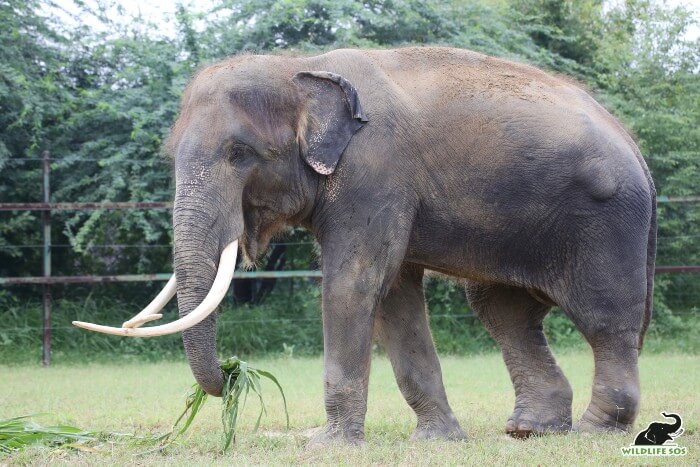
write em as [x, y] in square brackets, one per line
[249, 249]
[255, 241]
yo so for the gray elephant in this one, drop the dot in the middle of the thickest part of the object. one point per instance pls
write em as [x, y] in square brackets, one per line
[400, 161]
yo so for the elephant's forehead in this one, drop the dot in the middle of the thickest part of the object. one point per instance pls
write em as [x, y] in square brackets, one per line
[206, 88]
[239, 74]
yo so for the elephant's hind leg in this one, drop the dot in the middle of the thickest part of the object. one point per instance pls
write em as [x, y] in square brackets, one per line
[611, 323]
[542, 393]
[402, 327]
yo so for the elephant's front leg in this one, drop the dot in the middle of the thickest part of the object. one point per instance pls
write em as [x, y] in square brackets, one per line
[355, 276]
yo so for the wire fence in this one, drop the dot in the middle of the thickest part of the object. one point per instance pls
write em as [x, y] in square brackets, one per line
[47, 279]
[19, 160]
[241, 320]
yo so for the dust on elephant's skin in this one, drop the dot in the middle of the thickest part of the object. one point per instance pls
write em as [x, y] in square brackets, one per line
[400, 161]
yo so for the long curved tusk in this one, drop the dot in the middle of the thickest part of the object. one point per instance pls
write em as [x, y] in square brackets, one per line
[150, 313]
[224, 275]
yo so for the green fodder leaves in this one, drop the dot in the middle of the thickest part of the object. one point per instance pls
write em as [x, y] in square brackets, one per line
[19, 432]
[195, 401]
[239, 380]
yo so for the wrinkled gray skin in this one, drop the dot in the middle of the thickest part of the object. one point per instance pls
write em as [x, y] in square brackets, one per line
[510, 179]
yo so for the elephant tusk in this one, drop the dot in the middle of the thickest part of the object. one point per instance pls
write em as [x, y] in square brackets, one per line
[150, 313]
[223, 278]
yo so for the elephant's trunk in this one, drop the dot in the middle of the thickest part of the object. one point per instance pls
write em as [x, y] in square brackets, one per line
[203, 227]
[207, 221]
[196, 256]
[676, 426]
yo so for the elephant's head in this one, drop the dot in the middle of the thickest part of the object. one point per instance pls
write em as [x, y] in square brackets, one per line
[249, 146]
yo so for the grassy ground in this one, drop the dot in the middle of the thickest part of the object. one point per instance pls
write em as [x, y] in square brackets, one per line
[144, 398]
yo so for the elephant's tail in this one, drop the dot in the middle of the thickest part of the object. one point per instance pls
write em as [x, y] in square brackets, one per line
[651, 258]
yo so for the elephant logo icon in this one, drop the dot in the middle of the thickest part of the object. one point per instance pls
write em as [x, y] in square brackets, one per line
[658, 433]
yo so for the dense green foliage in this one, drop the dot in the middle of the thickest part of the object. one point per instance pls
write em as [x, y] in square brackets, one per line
[101, 99]
[281, 326]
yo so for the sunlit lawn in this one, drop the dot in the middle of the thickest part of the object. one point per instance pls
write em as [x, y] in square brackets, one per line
[145, 398]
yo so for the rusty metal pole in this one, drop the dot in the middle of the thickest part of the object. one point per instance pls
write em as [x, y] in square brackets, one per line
[46, 254]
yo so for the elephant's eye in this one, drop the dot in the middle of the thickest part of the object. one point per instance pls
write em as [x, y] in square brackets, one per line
[237, 151]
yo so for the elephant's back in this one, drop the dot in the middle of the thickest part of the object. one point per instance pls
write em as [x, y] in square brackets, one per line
[472, 117]
[435, 77]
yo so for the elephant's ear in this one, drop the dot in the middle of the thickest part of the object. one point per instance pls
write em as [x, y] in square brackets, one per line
[334, 114]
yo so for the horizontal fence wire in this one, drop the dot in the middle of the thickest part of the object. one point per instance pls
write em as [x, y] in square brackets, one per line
[162, 160]
[127, 245]
[68, 159]
[221, 320]
[235, 321]
[272, 244]
[80, 206]
[259, 274]
[85, 206]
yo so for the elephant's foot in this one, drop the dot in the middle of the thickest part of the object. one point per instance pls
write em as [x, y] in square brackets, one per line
[611, 409]
[596, 421]
[443, 428]
[549, 415]
[329, 435]
[586, 425]
[528, 425]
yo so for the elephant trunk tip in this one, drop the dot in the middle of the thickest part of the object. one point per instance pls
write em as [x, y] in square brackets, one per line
[213, 389]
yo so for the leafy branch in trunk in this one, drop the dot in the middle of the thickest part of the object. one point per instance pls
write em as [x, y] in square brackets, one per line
[239, 380]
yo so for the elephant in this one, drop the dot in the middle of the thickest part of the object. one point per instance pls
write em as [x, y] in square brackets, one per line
[658, 433]
[416, 159]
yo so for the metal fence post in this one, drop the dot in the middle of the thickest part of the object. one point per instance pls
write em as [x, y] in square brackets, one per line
[46, 254]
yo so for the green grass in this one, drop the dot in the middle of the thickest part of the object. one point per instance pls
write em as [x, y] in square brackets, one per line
[144, 399]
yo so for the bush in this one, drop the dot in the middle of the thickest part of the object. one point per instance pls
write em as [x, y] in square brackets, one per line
[288, 323]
